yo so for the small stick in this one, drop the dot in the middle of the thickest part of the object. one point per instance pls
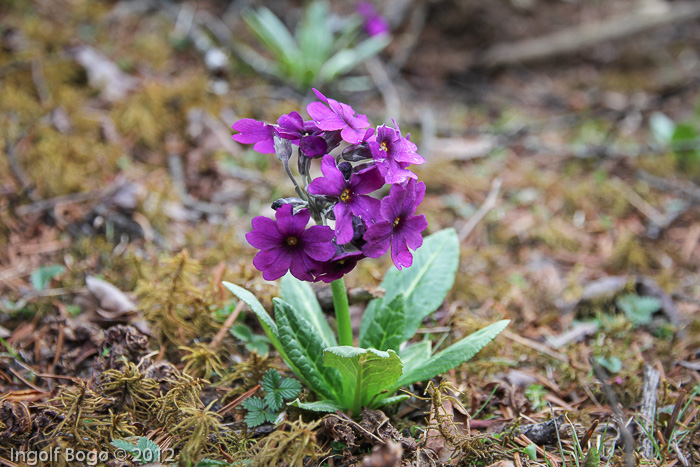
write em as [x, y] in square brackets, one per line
[238, 400]
[227, 325]
[488, 205]
[651, 384]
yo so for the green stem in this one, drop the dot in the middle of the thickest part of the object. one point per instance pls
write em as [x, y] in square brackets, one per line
[342, 312]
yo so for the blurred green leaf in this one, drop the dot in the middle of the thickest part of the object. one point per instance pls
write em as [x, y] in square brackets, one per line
[42, 277]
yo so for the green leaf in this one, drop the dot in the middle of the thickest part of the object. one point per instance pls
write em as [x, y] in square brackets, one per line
[305, 350]
[273, 34]
[314, 35]
[612, 364]
[638, 309]
[415, 355]
[391, 400]
[425, 284]
[347, 59]
[125, 446]
[365, 373]
[385, 329]
[266, 321]
[530, 451]
[258, 412]
[277, 389]
[289, 388]
[328, 406]
[42, 277]
[453, 356]
[303, 300]
[148, 450]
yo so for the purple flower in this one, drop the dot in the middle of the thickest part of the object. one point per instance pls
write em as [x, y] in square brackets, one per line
[392, 153]
[287, 245]
[253, 131]
[341, 264]
[399, 227]
[338, 116]
[311, 140]
[351, 194]
[374, 23]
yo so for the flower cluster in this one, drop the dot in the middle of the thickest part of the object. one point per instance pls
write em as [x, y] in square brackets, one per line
[364, 226]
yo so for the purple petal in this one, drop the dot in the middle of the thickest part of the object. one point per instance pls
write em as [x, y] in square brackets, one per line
[391, 205]
[302, 267]
[412, 228]
[272, 269]
[343, 223]
[366, 181]
[289, 224]
[366, 207]
[313, 146]
[320, 96]
[400, 254]
[332, 183]
[377, 238]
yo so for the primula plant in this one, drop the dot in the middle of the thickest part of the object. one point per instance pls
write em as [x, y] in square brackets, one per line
[355, 218]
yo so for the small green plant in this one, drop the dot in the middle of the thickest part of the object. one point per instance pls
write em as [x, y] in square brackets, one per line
[638, 309]
[535, 394]
[277, 391]
[145, 450]
[252, 342]
[316, 53]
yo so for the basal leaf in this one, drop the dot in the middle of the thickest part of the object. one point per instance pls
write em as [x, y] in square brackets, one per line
[385, 329]
[327, 406]
[390, 400]
[452, 356]
[415, 355]
[365, 373]
[304, 349]
[425, 284]
[302, 298]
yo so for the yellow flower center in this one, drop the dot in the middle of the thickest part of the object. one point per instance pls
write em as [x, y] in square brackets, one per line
[345, 196]
[397, 221]
[383, 147]
[292, 241]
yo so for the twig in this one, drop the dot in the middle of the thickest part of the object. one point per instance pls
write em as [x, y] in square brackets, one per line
[651, 384]
[227, 325]
[489, 204]
[627, 439]
[234, 403]
[587, 35]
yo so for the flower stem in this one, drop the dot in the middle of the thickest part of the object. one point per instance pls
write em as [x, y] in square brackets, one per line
[342, 312]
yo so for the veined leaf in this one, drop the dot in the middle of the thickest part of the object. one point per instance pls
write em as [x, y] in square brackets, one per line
[302, 298]
[365, 373]
[328, 406]
[452, 356]
[305, 350]
[425, 284]
[385, 328]
[390, 400]
[415, 355]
